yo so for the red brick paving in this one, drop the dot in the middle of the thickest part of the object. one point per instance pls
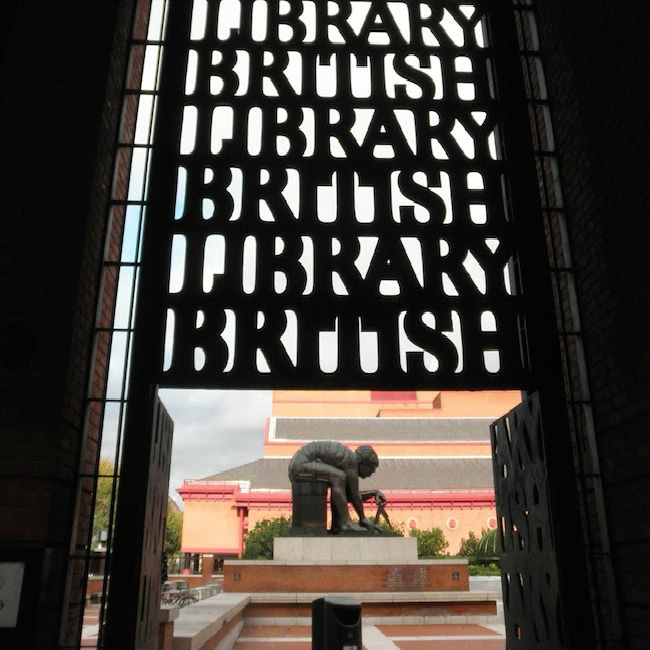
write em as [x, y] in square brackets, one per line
[261, 637]
[272, 645]
[267, 631]
[455, 629]
[91, 618]
[266, 634]
[393, 631]
[470, 644]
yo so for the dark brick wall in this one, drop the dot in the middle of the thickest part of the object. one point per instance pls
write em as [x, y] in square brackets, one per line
[596, 62]
[58, 129]
[62, 72]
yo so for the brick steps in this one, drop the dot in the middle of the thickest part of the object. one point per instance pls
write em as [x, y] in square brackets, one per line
[377, 637]
[381, 608]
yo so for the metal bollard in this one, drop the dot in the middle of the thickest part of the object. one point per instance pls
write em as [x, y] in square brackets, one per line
[335, 623]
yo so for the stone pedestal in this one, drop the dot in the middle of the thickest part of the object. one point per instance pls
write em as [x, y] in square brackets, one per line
[342, 564]
[309, 507]
[381, 572]
[335, 549]
[341, 576]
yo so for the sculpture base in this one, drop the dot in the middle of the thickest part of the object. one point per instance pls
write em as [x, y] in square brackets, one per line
[348, 546]
[338, 576]
[322, 532]
[382, 572]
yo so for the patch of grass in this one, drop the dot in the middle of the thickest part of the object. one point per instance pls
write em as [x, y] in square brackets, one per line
[490, 569]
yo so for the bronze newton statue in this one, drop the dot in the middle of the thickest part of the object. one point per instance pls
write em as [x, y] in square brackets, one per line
[320, 465]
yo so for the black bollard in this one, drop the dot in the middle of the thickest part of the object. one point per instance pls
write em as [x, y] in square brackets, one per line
[335, 623]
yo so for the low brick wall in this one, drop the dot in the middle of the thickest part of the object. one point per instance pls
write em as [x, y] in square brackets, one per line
[274, 611]
[196, 580]
[94, 585]
[205, 624]
[271, 576]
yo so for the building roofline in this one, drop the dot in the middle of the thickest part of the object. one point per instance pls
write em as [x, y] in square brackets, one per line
[209, 491]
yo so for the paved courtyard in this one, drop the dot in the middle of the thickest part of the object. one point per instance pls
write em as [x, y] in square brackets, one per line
[375, 637]
[379, 637]
[400, 635]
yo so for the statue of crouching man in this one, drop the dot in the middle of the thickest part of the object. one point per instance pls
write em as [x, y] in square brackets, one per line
[321, 464]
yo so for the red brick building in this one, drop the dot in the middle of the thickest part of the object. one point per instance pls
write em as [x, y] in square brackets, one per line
[435, 463]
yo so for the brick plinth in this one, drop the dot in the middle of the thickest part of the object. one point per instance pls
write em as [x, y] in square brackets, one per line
[275, 611]
[269, 576]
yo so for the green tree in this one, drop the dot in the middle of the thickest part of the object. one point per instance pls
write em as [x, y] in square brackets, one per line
[258, 543]
[173, 531]
[484, 546]
[395, 528]
[102, 498]
[469, 546]
[489, 569]
[489, 543]
[431, 543]
[174, 525]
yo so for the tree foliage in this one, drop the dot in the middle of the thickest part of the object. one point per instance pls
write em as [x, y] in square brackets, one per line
[173, 531]
[484, 546]
[489, 569]
[489, 543]
[469, 546]
[431, 543]
[103, 498]
[174, 526]
[258, 543]
[398, 527]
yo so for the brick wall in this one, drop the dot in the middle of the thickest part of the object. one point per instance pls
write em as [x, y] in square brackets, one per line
[58, 127]
[264, 576]
[595, 57]
[116, 178]
[62, 76]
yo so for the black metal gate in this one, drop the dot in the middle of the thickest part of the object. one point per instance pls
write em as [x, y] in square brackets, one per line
[529, 570]
[140, 589]
[358, 172]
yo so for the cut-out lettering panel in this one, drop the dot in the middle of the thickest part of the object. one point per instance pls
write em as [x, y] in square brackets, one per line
[331, 192]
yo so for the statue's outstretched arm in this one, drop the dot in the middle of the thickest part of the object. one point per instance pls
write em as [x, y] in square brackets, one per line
[352, 489]
[377, 495]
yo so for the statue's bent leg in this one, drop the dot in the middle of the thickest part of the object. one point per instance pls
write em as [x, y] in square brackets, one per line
[339, 501]
[315, 470]
[309, 484]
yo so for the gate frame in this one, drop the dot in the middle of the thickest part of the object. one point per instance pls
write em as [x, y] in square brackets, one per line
[542, 348]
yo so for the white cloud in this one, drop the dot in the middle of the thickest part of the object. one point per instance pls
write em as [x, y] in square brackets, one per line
[214, 430]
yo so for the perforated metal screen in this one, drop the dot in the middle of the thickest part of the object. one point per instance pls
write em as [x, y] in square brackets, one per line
[328, 199]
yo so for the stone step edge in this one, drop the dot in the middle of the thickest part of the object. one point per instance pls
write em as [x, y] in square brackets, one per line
[344, 562]
[409, 619]
[199, 622]
[394, 597]
[196, 624]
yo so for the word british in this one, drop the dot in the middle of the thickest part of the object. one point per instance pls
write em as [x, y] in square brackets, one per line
[339, 216]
